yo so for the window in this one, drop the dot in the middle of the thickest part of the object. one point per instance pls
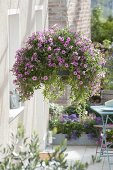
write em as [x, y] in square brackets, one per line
[13, 44]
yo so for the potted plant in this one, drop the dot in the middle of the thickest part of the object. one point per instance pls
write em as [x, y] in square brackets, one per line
[47, 54]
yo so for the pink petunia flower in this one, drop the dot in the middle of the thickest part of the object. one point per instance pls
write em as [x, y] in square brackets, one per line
[45, 78]
[66, 65]
[34, 78]
[49, 56]
[63, 51]
[75, 72]
[49, 48]
[85, 65]
[26, 73]
[24, 79]
[81, 82]
[78, 76]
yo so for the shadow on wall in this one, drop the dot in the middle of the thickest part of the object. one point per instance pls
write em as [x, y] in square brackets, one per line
[30, 21]
[5, 82]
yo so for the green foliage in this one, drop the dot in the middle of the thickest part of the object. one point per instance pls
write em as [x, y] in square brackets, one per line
[55, 110]
[106, 6]
[75, 109]
[109, 135]
[101, 29]
[96, 25]
[20, 130]
[72, 109]
[108, 81]
[70, 127]
[75, 127]
[79, 166]
[90, 129]
[66, 128]
[107, 30]
[107, 44]
[107, 48]
[28, 157]
[56, 126]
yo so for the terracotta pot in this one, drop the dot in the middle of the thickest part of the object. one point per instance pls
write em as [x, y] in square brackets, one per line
[44, 155]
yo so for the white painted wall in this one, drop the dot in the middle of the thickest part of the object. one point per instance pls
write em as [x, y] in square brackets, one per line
[13, 41]
[36, 110]
[4, 73]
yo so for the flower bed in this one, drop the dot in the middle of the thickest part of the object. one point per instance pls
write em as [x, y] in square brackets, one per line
[77, 131]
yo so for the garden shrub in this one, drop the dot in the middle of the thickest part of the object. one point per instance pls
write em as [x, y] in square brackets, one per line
[101, 29]
[27, 157]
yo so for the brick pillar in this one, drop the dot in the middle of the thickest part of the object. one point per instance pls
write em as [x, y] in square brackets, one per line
[74, 14]
[79, 15]
[57, 13]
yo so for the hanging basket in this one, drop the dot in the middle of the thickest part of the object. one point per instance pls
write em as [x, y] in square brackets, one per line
[56, 58]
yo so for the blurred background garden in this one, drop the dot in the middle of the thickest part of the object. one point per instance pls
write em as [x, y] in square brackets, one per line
[71, 120]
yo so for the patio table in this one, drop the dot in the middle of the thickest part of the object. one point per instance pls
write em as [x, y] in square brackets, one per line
[105, 113]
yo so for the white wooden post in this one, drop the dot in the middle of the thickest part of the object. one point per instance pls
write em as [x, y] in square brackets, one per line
[36, 116]
[37, 109]
[41, 117]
